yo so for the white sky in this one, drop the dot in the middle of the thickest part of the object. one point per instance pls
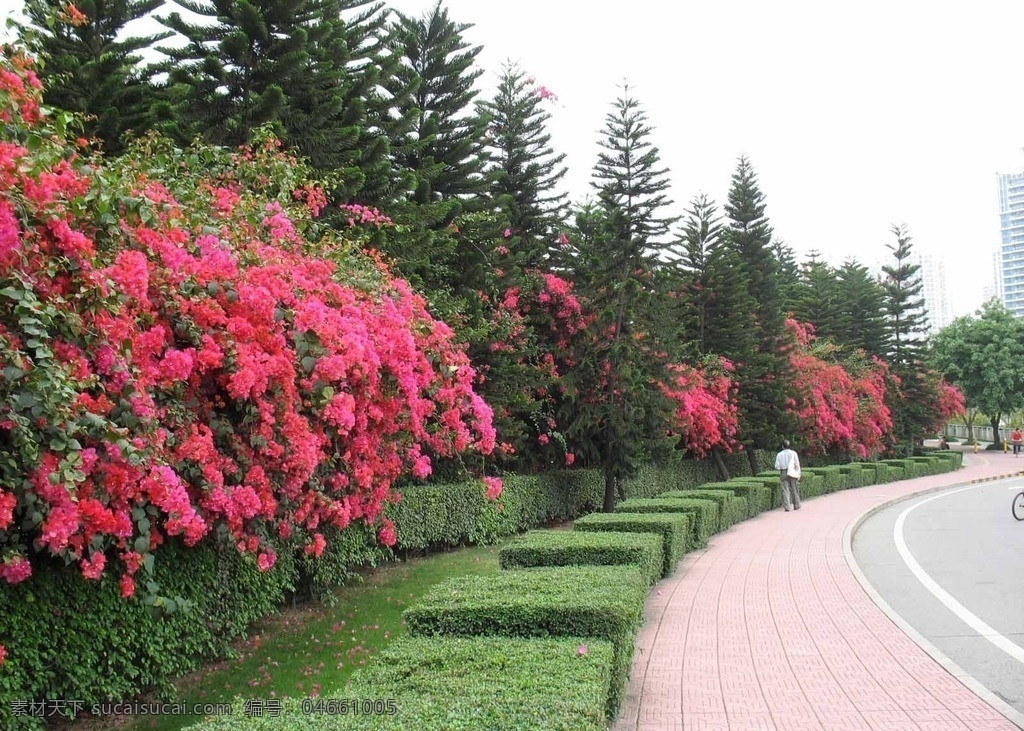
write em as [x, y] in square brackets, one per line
[855, 116]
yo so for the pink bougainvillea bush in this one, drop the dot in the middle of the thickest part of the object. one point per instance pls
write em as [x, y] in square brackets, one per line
[706, 413]
[532, 323]
[839, 402]
[185, 352]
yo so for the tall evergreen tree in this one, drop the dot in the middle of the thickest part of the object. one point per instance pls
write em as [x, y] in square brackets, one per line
[816, 300]
[296, 65]
[341, 118]
[91, 67]
[763, 369]
[446, 230]
[439, 65]
[789, 275]
[862, 320]
[907, 323]
[374, 74]
[241, 61]
[702, 230]
[527, 171]
[904, 302]
[619, 414]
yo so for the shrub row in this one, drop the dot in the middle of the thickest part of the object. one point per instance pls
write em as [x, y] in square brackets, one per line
[703, 513]
[459, 684]
[604, 602]
[81, 640]
[76, 655]
[585, 587]
[674, 529]
[731, 507]
[586, 548]
[431, 517]
[61, 654]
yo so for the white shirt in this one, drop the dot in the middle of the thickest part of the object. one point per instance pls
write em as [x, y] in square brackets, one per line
[783, 458]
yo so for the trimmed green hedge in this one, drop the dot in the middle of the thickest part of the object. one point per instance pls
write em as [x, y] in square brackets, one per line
[931, 465]
[458, 684]
[832, 478]
[812, 484]
[55, 653]
[757, 495]
[686, 474]
[69, 637]
[431, 517]
[956, 456]
[606, 602]
[674, 528]
[703, 513]
[731, 508]
[878, 471]
[585, 548]
[898, 469]
[770, 480]
[856, 475]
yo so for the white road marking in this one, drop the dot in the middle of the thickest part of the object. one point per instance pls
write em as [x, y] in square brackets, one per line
[968, 617]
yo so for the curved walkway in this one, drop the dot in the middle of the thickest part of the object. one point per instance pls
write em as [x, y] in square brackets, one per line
[768, 629]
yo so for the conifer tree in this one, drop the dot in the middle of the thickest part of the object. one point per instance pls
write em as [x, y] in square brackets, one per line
[439, 65]
[862, 320]
[90, 67]
[527, 172]
[702, 230]
[904, 302]
[789, 275]
[815, 301]
[297, 66]
[341, 118]
[712, 287]
[620, 415]
[908, 398]
[233, 72]
[445, 232]
[763, 369]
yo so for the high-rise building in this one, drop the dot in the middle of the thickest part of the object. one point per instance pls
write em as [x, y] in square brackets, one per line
[1011, 250]
[933, 290]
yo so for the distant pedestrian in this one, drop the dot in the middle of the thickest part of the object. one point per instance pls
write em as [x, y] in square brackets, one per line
[788, 464]
[1016, 439]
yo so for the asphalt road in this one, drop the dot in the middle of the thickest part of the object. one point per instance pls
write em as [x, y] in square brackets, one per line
[951, 565]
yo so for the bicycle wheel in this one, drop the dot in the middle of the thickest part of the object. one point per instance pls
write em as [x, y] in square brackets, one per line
[1018, 506]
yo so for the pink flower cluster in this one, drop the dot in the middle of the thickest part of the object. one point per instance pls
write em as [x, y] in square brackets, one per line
[359, 214]
[706, 411]
[545, 93]
[220, 378]
[840, 406]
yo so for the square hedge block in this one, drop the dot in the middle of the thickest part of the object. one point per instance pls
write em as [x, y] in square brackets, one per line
[674, 528]
[585, 548]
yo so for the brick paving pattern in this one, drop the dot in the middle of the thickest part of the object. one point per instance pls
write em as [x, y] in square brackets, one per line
[769, 630]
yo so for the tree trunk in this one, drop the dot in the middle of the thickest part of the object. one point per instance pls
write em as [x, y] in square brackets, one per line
[723, 471]
[972, 414]
[995, 431]
[752, 459]
[609, 490]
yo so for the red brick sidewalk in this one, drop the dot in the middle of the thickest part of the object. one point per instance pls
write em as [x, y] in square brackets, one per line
[768, 629]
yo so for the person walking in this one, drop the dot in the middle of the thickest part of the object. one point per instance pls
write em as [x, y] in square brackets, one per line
[1016, 439]
[788, 464]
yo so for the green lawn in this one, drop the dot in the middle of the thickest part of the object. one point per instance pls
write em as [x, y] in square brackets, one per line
[314, 649]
